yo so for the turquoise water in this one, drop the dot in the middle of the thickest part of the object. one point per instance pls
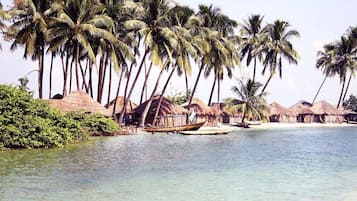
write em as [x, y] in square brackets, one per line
[314, 164]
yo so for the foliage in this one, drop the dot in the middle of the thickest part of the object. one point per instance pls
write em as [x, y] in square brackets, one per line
[351, 103]
[93, 122]
[180, 98]
[249, 102]
[30, 123]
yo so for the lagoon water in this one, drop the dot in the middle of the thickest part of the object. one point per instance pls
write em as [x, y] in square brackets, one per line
[305, 164]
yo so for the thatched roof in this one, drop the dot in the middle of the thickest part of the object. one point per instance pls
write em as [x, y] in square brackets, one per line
[167, 107]
[120, 103]
[277, 109]
[79, 100]
[323, 107]
[300, 108]
[200, 107]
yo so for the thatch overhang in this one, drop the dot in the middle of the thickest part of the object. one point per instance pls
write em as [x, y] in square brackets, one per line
[325, 108]
[79, 100]
[301, 109]
[167, 108]
[119, 105]
[200, 107]
[277, 109]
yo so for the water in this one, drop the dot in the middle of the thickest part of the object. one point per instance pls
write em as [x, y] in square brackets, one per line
[314, 164]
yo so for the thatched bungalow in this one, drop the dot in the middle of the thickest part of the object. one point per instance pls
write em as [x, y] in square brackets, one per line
[350, 116]
[169, 113]
[119, 106]
[326, 113]
[281, 114]
[303, 112]
[79, 100]
[203, 112]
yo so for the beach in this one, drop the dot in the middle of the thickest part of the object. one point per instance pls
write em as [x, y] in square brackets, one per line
[264, 126]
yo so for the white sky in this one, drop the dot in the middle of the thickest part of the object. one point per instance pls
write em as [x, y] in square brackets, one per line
[318, 21]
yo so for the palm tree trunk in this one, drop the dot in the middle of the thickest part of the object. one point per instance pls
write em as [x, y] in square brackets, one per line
[218, 92]
[255, 68]
[65, 76]
[83, 78]
[70, 77]
[110, 83]
[117, 94]
[195, 86]
[213, 86]
[51, 68]
[342, 90]
[348, 85]
[186, 80]
[40, 71]
[148, 104]
[132, 88]
[266, 84]
[318, 91]
[90, 78]
[162, 94]
[145, 84]
[100, 78]
[77, 62]
[245, 113]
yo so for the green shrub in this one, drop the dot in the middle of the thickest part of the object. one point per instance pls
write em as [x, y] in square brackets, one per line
[30, 123]
[94, 123]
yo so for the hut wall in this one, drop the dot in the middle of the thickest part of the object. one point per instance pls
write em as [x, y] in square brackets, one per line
[351, 117]
[282, 118]
[334, 119]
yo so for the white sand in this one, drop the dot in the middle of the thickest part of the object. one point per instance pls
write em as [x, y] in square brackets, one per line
[298, 125]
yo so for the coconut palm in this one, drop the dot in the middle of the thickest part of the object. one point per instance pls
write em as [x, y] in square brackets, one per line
[345, 61]
[253, 35]
[278, 46]
[3, 16]
[75, 28]
[325, 63]
[249, 101]
[159, 41]
[28, 28]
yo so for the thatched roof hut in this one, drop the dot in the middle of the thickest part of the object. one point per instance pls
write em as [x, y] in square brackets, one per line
[200, 107]
[167, 107]
[79, 100]
[278, 113]
[119, 105]
[277, 109]
[323, 107]
[300, 108]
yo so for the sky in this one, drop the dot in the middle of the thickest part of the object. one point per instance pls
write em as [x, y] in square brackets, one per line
[318, 22]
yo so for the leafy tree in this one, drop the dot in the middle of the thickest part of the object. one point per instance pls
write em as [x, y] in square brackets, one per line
[351, 103]
[30, 123]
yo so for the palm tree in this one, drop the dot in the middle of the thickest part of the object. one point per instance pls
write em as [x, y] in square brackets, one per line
[251, 103]
[159, 41]
[3, 16]
[277, 47]
[253, 35]
[28, 29]
[76, 27]
[345, 61]
[325, 63]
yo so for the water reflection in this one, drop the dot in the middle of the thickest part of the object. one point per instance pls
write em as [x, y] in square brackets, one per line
[297, 164]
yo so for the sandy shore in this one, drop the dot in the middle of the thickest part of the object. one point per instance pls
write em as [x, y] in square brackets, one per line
[299, 125]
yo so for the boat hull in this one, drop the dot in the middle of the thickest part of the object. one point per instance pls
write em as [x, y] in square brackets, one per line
[188, 127]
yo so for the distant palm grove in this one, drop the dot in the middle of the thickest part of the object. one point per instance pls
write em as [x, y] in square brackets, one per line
[95, 40]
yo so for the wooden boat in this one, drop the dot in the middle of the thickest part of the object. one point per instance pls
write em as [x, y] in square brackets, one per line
[241, 125]
[187, 127]
[208, 131]
[351, 122]
[253, 123]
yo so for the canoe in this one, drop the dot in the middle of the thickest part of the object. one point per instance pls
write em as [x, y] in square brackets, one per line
[253, 123]
[187, 127]
[208, 131]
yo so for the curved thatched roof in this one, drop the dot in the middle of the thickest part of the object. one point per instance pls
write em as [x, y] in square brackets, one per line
[79, 100]
[323, 107]
[166, 108]
[120, 103]
[300, 108]
[277, 109]
[200, 107]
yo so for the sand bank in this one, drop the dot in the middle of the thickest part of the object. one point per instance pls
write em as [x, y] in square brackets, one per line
[298, 125]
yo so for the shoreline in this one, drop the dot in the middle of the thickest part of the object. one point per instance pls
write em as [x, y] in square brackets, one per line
[267, 126]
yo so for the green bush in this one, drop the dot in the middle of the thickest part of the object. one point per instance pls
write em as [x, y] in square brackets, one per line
[30, 123]
[94, 123]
